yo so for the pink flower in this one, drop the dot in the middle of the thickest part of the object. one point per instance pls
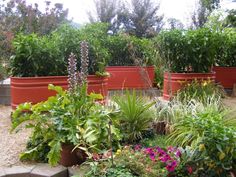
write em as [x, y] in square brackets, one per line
[137, 147]
[171, 167]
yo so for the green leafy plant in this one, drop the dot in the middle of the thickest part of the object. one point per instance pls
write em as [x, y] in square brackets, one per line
[149, 161]
[65, 118]
[226, 55]
[129, 50]
[211, 135]
[200, 91]
[187, 51]
[96, 36]
[36, 56]
[135, 117]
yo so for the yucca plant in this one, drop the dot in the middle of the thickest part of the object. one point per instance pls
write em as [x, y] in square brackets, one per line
[136, 115]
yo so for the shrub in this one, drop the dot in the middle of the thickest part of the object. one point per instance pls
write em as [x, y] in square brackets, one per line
[187, 51]
[226, 54]
[72, 118]
[47, 55]
[36, 56]
[129, 50]
[211, 136]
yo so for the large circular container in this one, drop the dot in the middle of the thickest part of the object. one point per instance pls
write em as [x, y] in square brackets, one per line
[175, 81]
[226, 76]
[35, 89]
[130, 77]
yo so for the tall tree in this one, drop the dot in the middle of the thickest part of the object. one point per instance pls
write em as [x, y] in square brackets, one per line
[143, 19]
[230, 20]
[106, 10]
[17, 16]
[203, 10]
[175, 23]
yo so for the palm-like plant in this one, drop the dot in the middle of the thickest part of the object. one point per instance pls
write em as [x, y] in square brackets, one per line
[136, 114]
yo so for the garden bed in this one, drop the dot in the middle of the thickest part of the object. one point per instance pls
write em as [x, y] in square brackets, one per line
[12, 144]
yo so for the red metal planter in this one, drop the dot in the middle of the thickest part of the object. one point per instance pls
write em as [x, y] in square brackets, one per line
[226, 76]
[35, 89]
[175, 81]
[130, 77]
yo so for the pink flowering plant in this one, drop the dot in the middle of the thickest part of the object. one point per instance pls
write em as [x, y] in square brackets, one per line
[149, 161]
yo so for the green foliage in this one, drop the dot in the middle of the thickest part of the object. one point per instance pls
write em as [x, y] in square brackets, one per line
[142, 19]
[70, 118]
[200, 91]
[157, 140]
[230, 20]
[226, 54]
[148, 161]
[36, 56]
[187, 51]
[135, 117]
[108, 171]
[18, 16]
[47, 55]
[129, 50]
[211, 135]
[96, 35]
[119, 172]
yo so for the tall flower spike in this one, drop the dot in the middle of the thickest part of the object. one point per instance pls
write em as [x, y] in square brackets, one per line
[84, 61]
[72, 72]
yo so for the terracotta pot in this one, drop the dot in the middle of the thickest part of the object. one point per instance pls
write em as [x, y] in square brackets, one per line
[70, 157]
[35, 89]
[130, 77]
[175, 81]
[160, 127]
[226, 76]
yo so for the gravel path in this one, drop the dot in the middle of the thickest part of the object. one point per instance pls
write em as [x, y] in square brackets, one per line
[11, 144]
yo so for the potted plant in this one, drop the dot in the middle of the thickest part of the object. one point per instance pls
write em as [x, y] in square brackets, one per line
[39, 61]
[131, 64]
[68, 126]
[225, 68]
[189, 55]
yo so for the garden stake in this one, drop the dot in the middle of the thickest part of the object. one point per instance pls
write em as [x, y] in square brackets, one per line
[110, 139]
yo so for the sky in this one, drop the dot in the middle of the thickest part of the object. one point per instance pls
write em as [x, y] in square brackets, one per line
[179, 9]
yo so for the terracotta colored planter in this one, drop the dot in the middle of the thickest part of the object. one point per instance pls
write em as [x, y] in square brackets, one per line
[175, 81]
[226, 76]
[160, 127]
[130, 77]
[35, 89]
[70, 157]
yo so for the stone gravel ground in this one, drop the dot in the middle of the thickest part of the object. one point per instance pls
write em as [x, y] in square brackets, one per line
[12, 144]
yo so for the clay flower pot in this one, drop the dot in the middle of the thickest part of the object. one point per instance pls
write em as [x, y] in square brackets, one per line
[70, 157]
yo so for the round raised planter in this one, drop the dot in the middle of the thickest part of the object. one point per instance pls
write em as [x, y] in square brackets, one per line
[226, 76]
[130, 77]
[35, 89]
[175, 81]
